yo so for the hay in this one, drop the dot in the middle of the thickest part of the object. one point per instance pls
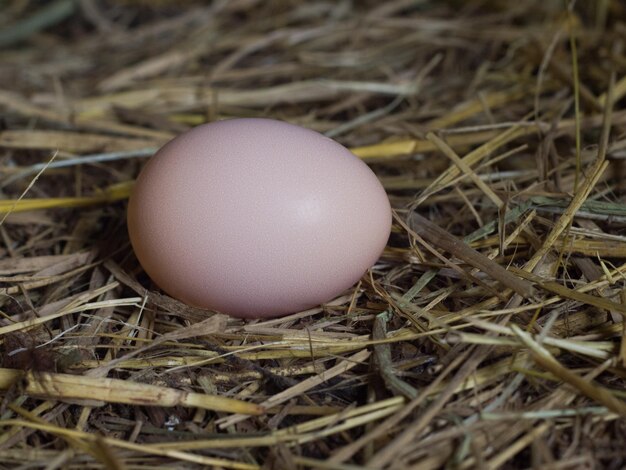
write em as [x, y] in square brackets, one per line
[490, 333]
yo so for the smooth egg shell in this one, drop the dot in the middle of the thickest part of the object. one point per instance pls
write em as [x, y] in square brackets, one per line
[256, 218]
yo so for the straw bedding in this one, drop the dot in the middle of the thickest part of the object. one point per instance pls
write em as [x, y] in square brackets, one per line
[489, 334]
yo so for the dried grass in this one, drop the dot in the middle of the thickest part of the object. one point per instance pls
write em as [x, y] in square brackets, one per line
[489, 335]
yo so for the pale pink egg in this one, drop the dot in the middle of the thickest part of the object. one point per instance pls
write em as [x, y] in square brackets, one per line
[257, 218]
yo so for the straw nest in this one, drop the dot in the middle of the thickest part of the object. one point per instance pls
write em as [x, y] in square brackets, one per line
[490, 333]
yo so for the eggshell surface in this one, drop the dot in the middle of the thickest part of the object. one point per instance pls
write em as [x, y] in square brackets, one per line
[256, 218]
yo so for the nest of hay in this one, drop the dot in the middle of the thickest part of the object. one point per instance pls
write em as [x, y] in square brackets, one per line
[489, 334]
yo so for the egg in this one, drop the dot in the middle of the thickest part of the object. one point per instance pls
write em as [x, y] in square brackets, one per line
[256, 218]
